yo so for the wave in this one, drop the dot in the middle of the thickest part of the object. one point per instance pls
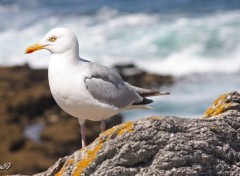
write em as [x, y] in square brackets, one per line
[176, 45]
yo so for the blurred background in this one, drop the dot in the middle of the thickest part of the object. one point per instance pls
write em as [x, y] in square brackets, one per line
[190, 48]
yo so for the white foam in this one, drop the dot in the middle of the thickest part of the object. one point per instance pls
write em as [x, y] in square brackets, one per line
[185, 62]
[179, 46]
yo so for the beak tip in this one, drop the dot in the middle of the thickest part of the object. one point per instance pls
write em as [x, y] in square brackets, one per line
[28, 52]
[33, 48]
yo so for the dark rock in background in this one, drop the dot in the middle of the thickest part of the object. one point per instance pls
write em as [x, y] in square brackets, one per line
[163, 146]
[141, 78]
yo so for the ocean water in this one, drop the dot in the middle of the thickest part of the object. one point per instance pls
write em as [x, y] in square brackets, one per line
[196, 41]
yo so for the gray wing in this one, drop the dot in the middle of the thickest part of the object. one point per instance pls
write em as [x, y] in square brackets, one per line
[107, 86]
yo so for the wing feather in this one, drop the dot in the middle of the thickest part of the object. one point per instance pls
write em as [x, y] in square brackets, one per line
[107, 86]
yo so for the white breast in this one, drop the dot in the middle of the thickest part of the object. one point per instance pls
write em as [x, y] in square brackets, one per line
[67, 86]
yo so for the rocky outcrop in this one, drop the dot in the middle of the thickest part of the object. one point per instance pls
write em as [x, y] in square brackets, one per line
[225, 104]
[164, 146]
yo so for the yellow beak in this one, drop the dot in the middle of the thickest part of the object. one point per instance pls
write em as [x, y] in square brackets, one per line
[33, 48]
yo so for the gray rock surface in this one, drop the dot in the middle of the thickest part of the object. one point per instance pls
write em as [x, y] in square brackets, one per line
[162, 146]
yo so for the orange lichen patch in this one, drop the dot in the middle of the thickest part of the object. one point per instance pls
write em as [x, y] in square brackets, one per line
[219, 106]
[90, 154]
[108, 132]
[87, 159]
[117, 130]
[126, 127]
[69, 161]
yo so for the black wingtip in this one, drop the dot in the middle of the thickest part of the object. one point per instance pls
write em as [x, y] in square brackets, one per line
[144, 102]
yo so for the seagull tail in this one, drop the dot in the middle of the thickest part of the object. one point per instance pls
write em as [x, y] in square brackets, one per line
[148, 92]
[155, 93]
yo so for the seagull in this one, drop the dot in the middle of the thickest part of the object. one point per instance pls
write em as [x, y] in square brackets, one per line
[84, 89]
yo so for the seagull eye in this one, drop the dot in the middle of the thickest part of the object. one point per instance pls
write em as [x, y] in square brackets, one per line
[52, 39]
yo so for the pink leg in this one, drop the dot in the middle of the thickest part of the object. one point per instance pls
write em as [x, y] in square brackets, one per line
[83, 133]
[102, 126]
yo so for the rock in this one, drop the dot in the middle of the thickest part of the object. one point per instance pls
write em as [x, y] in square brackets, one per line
[163, 146]
[141, 78]
[225, 103]
[26, 100]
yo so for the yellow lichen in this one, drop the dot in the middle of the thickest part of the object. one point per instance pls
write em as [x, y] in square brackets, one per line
[117, 130]
[88, 157]
[69, 161]
[126, 127]
[219, 106]
[108, 132]
[90, 154]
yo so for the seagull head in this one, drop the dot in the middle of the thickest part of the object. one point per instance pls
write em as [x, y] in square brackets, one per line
[57, 41]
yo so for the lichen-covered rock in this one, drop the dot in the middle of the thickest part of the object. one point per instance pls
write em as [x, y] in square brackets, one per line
[73, 165]
[162, 146]
[224, 103]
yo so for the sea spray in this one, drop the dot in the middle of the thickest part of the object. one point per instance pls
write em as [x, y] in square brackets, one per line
[177, 45]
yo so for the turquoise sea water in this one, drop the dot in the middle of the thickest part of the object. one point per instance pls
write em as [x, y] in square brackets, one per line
[196, 41]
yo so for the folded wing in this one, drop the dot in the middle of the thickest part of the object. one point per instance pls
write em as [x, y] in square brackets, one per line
[107, 86]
